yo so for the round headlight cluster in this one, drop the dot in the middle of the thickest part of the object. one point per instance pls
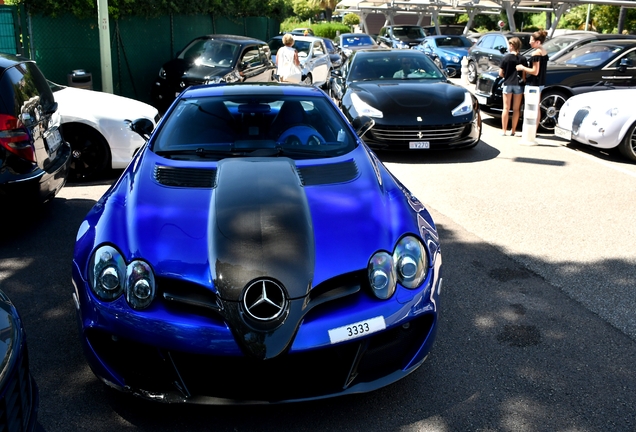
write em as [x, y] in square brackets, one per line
[408, 266]
[110, 277]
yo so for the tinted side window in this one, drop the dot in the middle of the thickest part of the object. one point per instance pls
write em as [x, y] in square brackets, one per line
[487, 42]
[23, 87]
[251, 57]
[500, 42]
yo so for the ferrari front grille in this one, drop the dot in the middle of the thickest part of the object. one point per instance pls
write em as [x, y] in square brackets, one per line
[578, 120]
[432, 134]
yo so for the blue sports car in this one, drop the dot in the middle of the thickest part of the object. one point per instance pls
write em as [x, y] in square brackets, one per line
[255, 251]
[446, 51]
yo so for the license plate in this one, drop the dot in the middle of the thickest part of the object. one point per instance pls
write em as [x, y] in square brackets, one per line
[53, 140]
[356, 330]
[563, 133]
[481, 99]
[419, 145]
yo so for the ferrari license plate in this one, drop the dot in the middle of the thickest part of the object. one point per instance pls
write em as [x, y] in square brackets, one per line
[356, 330]
[53, 140]
[563, 133]
[419, 145]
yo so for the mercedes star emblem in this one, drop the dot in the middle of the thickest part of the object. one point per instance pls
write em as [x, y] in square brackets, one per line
[264, 300]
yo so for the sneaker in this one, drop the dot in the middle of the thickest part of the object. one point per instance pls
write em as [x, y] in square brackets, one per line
[517, 134]
[502, 133]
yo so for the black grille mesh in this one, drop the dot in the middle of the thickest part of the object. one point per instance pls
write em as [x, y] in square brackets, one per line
[328, 174]
[185, 177]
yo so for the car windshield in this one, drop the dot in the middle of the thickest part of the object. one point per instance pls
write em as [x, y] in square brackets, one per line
[214, 128]
[589, 55]
[409, 32]
[357, 40]
[391, 65]
[453, 42]
[556, 44]
[210, 52]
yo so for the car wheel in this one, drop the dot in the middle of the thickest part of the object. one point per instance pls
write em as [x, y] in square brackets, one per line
[308, 80]
[551, 103]
[90, 152]
[627, 147]
[472, 72]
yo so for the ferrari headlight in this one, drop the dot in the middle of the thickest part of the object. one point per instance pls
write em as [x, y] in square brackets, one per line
[140, 285]
[110, 277]
[465, 107]
[364, 108]
[410, 259]
[106, 274]
[382, 275]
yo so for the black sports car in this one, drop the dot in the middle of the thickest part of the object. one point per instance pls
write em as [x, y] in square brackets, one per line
[610, 62]
[413, 103]
[213, 59]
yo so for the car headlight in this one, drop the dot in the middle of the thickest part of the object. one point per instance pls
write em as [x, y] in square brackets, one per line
[110, 277]
[465, 107]
[407, 265]
[162, 73]
[364, 108]
[401, 44]
[214, 80]
[347, 52]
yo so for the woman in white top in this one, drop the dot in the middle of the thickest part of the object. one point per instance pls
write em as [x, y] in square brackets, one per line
[285, 57]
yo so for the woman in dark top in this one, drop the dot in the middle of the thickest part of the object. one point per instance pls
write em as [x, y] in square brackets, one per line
[535, 75]
[512, 88]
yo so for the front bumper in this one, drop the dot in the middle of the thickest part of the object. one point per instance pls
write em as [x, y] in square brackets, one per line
[185, 357]
[488, 92]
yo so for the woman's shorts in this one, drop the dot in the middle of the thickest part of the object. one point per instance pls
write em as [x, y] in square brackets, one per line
[514, 89]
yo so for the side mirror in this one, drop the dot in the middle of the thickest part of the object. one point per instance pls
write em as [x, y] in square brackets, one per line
[143, 127]
[503, 50]
[624, 64]
[362, 125]
[337, 73]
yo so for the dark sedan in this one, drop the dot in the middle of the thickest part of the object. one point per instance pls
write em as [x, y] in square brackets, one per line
[564, 43]
[335, 53]
[412, 102]
[611, 62]
[213, 59]
[489, 51]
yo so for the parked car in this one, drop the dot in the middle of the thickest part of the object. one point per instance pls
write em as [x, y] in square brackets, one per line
[19, 396]
[598, 62]
[421, 111]
[489, 51]
[335, 53]
[448, 51]
[34, 158]
[601, 119]
[264, 242]
[313, 55]
[213, 59]
[445, 29]
[400, 36]
[350, 42]
[94, 124]
[302, 31]
[564, 43]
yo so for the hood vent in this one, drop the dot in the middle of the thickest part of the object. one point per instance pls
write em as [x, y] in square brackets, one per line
[328, 174]
[185, 177]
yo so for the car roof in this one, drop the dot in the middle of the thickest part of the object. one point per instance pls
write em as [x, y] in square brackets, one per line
[241, 89]
[8, 60]
[614, 42]
[232, 38]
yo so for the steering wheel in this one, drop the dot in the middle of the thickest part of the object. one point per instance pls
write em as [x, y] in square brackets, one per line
[301, 135]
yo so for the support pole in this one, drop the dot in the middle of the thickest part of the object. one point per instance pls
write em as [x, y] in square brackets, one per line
[104, 46]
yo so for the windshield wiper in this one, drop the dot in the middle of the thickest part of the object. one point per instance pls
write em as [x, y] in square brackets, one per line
[199, 152]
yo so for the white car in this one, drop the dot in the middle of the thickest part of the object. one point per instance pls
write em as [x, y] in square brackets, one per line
[94, 124]
[313, 56]
[604, 119]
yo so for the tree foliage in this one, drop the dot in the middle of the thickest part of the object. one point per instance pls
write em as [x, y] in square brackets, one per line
[304, 9]
[277, 9]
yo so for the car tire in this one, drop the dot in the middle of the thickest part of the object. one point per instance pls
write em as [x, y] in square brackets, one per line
[472, 72]
[627, 147]
[90, 155]
[550, 106]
